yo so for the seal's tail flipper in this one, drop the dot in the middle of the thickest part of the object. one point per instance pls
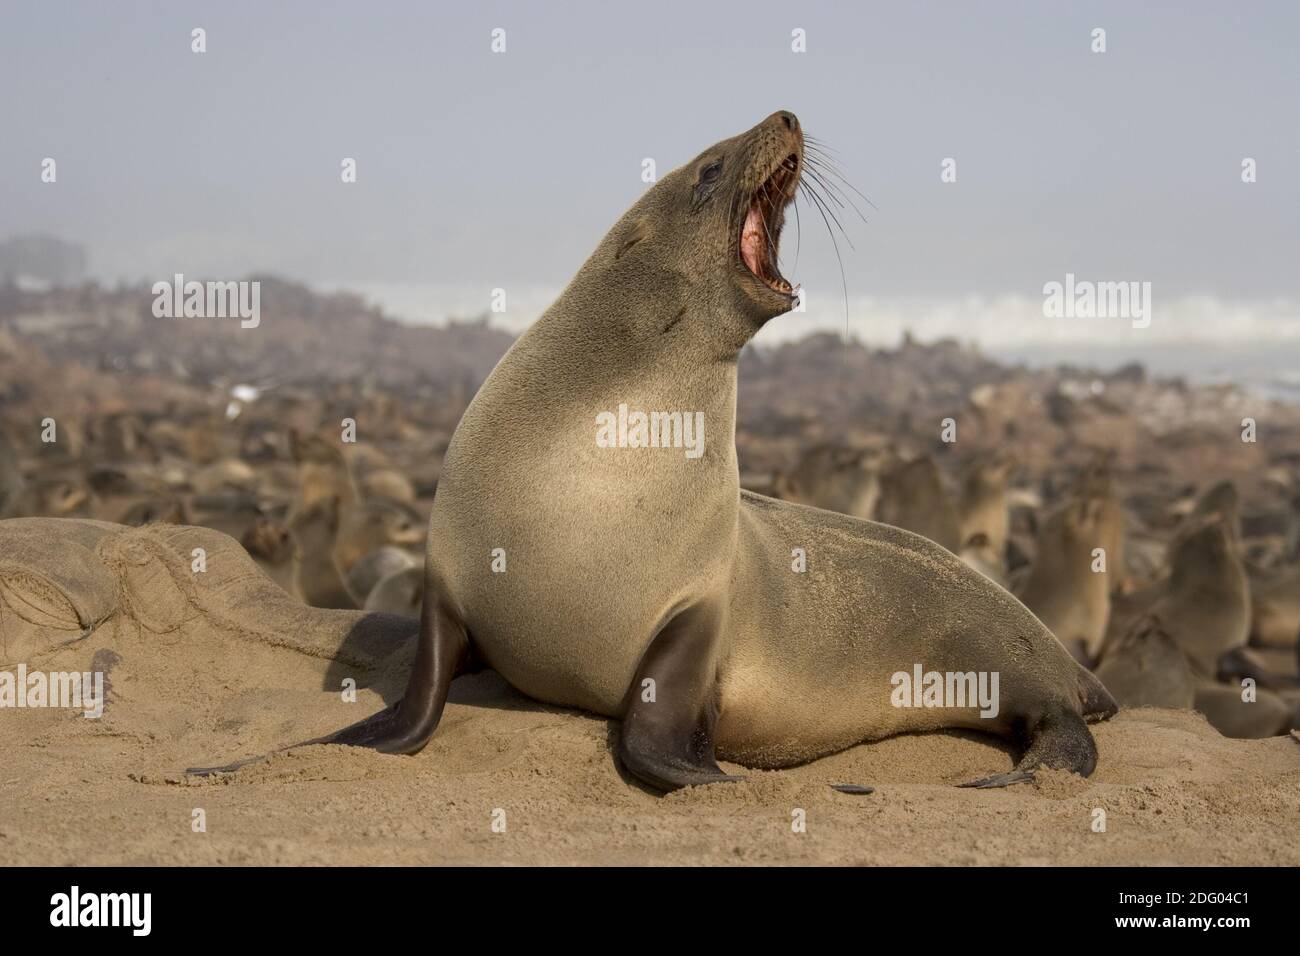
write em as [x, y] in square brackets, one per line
[1060, 740]
[406, 727]
[1095, 700]
[666, 740]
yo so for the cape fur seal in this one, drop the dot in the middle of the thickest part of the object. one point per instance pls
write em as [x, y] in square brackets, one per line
[1275, 609]
[835, 478]
[363, 576]
[1206, 601]
[642, 583]
[1064, 591]
[1223, 501]
[316, 575]
[979, 553]
[401, 592]
[983, 502]
[270, 544]
[366, 525]
[1097, 482]
[1146, 668]
[985, 516]
[913, 497]
[1267, 716]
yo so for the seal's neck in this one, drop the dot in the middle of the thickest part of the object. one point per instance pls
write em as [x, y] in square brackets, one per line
[591, 353]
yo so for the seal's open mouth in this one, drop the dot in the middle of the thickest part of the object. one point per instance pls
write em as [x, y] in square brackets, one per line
[760, 232]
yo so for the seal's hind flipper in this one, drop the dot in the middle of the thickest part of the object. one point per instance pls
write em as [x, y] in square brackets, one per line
[406, 727]
[1060, 740]
[666, 740]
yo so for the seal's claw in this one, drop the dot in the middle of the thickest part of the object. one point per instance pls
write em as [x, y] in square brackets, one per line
[224, 768]
[1001, 780]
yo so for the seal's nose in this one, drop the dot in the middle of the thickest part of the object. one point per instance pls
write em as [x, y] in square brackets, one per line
[785, 118]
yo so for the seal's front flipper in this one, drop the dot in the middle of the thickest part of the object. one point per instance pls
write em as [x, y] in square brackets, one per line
[1059, 740]
[666, 740]
[406, 727]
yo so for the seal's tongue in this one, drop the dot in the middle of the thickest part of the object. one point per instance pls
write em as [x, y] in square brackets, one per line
[751, 240]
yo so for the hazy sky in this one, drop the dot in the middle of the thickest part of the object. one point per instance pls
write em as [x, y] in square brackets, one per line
[479, 170]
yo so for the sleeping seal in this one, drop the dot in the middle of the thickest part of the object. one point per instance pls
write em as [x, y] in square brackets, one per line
[635, 579]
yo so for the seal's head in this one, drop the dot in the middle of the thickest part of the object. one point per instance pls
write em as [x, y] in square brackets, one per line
[1205, 551]
[710, 230]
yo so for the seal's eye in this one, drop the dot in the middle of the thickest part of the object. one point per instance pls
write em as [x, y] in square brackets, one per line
[704, 185]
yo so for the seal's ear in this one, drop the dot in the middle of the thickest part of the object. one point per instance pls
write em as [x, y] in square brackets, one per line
[634, 234]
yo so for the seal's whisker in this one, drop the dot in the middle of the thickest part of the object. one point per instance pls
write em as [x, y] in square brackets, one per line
[824, 170]
[829, 188]
[840, 176]
[824, 206]
[843, 202]
[829, 164]
[844, 282]
[819, 144]
[832, 192]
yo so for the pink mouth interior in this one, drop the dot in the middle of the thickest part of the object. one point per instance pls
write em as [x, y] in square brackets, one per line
[751, 239]
[761, 229]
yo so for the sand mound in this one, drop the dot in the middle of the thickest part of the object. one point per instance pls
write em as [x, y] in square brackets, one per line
[207, 667]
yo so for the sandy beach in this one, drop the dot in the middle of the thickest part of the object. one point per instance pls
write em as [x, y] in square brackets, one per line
[112, 790]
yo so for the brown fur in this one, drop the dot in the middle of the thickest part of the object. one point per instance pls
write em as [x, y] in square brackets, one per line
[1097, 482]
[591, 576]
[1275, 609]
[1266, 716]
[983, 502]
[316, 576]
[834, 478]
[1064, 591]
[402, 592]
[365, 526]
[1146, 668]
[373, 568]
[1205, 604]
[322, 471]
[606, 545]
[914, 498]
